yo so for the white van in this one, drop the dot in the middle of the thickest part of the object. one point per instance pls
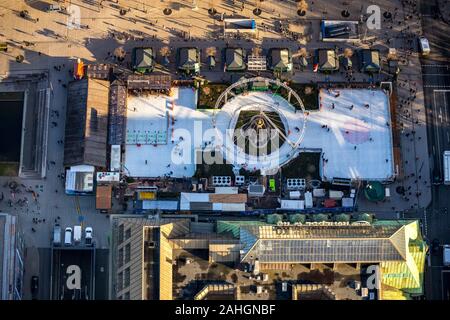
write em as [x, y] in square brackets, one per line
[68, 236]
[424, 46]
[77, 234]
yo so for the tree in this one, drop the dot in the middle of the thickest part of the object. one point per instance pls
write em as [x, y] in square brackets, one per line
[165, 53]
[120, 53]
[256, 51]
[348, 52]
[302, 6]
[302, 52]
[211, 51]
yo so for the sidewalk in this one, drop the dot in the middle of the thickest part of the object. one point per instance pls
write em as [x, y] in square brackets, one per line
[415, 171]
[444, 10]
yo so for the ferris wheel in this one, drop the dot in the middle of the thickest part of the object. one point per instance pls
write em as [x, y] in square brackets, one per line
[274, 112]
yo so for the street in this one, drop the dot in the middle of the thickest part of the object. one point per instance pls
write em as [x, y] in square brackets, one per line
[436, 79]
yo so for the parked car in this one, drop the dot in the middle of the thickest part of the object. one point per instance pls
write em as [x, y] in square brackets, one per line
[77, 234]
[34, 285]
[88, 236]
[68, 236]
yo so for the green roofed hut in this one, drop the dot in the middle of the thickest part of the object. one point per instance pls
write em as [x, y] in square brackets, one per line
[274, 218]
[365, 217]
[327, 60]
[342, 217]
[234, 59]
[143, 60]
[280, 60]
[370, 60]
[297, 218]
[320, 217]
[374, 191]
[188, 60]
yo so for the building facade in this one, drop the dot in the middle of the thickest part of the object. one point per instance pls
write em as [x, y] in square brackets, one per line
[11, 259]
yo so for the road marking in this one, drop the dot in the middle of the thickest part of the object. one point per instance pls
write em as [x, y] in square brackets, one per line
[77, 206]
[425, 222]
[436, 65]
[436, 129]
[435, 86]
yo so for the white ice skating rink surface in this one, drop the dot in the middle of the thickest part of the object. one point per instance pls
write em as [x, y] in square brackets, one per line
[365, 128]
[368, 129]
[151, 114]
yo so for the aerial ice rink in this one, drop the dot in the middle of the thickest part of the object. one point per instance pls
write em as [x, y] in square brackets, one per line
[352, 129]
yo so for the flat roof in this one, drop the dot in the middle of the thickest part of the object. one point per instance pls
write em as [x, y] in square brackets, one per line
[103, 197]
[149, 82]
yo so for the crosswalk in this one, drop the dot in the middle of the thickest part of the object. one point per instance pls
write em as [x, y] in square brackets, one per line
[77, 207]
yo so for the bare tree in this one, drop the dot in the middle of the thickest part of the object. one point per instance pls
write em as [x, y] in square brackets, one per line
[256, 51]
[165, 51]
[211, 51]
[348, 52]
[120, 53]
[302, 5]
[302, 52]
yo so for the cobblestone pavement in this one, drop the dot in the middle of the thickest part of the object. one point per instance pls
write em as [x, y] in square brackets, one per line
[53, 44]
[444, 10]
